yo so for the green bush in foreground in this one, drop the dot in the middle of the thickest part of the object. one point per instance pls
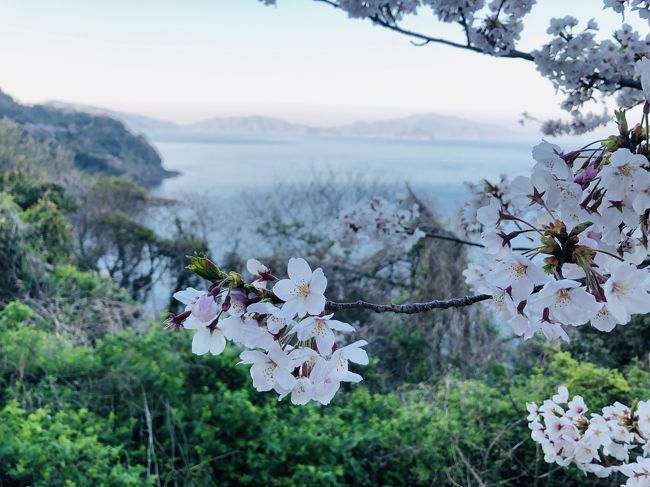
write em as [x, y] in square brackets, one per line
[60, 448]
[140, 405]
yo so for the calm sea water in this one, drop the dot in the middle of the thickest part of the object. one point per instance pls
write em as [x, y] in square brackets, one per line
[219, 170]
[439, 167]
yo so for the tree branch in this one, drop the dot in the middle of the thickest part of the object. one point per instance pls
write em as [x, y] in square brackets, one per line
[453, 239]
[438, 236]
[410, 308]
[426, 39]
[413, 308]
[436, 40]
[628, 83]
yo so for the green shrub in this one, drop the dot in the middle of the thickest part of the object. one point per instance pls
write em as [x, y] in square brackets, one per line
[63, 448]
[210, 427]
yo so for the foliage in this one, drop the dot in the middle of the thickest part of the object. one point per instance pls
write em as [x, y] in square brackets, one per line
[137, 402]
[32, 152]
[84, 401]
[112, 237]
[625, 345]
[90, 144]
[63, 448]
[22, 272]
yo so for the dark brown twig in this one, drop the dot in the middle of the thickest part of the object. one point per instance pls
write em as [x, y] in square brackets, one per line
[409, 308]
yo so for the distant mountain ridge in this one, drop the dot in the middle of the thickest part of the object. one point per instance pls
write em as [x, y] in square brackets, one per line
[251, 126]
[428, 126]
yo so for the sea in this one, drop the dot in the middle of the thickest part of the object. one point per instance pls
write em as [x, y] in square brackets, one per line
[222, 173]
[226, 167]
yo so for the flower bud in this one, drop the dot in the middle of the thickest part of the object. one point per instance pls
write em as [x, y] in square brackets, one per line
[611, 143]
[621, 121]
[550, 264]
[204, 267]
[581, 227]
[235, 279]
[583, 256]
[549, 245]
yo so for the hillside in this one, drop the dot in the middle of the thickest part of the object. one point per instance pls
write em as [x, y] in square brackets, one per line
[428, 126]
[250, 126]
[421, 127]
[63, 139]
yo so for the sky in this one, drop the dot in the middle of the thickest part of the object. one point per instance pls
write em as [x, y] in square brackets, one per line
[301, 60]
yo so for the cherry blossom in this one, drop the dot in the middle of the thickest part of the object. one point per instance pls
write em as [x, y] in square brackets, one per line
[244, 331]
[581, 225]
[378, 220]
[274, 367]
[324, 385]
[202, 307]
[549, 158]
[603, 320]
[277, 319]
[626, 291]
[638, 473]
[642, 68]
[300, 359]
[567, 436]
[567, 302]
[188, 296]
[620, 174]
[320, 328]
[208, 339]
[259, 270]
[353, 352]
[303, 292]
[518, 273]
[204, 310]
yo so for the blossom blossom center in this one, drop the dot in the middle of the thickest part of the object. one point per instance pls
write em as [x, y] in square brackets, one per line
[563, 296]
[319, 326]
[619, 289]
[625, 170]
[519, 270]
[302, 289]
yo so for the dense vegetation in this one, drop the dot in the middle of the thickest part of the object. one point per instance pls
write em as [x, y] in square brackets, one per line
[138, 406]
[92, 395]
[64, 141]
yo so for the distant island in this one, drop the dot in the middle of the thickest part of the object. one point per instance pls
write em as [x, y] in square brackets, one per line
[428, 126]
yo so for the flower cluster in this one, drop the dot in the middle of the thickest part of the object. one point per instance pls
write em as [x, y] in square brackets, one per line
[601, 444]
[288, 339]
[581, 230]
[479, 196]
[642, 7]
[378, 220]
[579, 65]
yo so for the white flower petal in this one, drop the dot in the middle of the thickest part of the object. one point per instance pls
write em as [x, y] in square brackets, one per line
[299, 270]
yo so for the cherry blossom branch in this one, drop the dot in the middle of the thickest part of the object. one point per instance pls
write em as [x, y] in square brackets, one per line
[436, 40]
[427, 39]
[409, 308]
[437, 236]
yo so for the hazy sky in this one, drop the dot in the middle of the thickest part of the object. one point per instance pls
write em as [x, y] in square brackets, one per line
[303, 61]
